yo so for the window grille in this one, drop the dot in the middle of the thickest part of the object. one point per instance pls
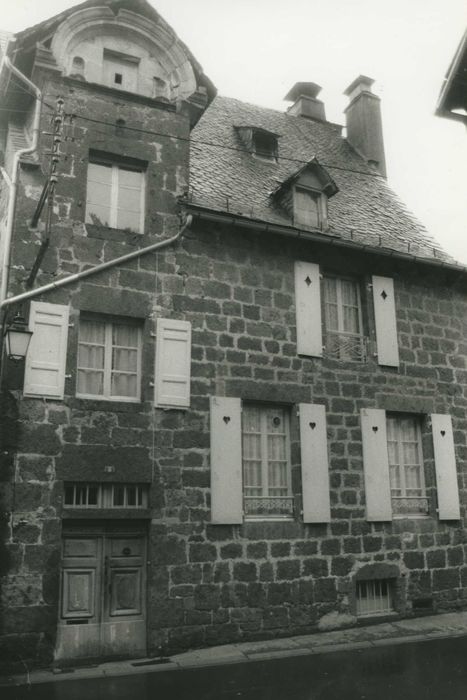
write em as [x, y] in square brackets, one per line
[109, 360]
[84, 495]
[266, 462]
[344, 339]
[406, 472]
[374, 597]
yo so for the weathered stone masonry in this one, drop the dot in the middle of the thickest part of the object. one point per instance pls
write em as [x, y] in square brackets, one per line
[208, 584]
[211, 584]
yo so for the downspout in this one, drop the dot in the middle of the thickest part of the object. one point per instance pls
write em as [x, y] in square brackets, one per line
[13, 182]
[97, 268]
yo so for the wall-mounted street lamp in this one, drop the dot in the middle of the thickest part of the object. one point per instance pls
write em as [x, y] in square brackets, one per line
[17, 338]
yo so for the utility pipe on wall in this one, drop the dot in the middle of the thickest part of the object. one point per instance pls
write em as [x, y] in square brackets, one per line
[97, 268]
[13, 182]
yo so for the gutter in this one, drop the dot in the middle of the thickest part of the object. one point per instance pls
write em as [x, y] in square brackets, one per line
[13, 182]
[97, 268]
[205, 214]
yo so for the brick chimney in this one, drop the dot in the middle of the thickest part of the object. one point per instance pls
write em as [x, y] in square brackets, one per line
[305, 104]
[364, 125]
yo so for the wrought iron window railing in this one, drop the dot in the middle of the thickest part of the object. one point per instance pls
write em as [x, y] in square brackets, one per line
[345, 346]
[268, 507]
[409, 505]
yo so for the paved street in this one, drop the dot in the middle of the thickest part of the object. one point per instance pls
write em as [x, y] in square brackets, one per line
[408, 671]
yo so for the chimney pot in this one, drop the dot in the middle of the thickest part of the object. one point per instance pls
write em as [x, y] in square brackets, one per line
[305, 104]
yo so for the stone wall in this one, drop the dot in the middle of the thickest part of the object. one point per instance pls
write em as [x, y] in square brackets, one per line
[209, 584]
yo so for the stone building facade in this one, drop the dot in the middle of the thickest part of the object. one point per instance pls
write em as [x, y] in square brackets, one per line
[254, 430]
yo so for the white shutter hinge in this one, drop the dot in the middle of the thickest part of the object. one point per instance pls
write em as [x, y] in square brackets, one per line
[153, 335]
[71, 325]
[151, 384]
[68, 376]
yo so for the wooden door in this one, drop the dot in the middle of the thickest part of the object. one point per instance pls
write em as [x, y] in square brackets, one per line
[102, 610]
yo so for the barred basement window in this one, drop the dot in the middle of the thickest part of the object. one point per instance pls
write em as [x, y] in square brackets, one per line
[344, 339]
[406, 473]
[84, 495]
[267, 490]
[375, 597]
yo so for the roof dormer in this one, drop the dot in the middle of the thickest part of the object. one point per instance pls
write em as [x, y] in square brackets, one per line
[304, 195]
[260, 142]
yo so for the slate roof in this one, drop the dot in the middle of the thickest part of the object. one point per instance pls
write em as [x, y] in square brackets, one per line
[225, 177]
[4, 39]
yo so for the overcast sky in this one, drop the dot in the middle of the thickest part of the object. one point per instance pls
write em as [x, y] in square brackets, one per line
[255, 50]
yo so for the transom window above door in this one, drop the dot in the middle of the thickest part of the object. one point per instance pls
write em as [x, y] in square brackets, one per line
[343, 326]
[109, 360]
[115, 195]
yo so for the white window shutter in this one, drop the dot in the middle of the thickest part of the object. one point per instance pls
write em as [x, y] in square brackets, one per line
[315, 466]
[376, 465]
[226, 461]
[445, 467]
[46, 359]
[385, 321]
[173, 363]
[308, 309]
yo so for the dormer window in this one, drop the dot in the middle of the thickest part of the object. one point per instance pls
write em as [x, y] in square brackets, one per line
[304, 195]
[261, 143]
[265, 145]
[310, 208]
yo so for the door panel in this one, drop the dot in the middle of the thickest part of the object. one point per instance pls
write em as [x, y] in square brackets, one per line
[125, 596]
[103, 596]
[78, 593]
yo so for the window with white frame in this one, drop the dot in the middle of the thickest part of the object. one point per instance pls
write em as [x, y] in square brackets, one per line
[115, 194]
[267, 490]
[343, 326]
[406, 473]
[109, 360]
[92, 495]
[375, 597]
[309, 207]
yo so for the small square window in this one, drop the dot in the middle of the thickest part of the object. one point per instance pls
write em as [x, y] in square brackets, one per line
[375, 597]
[344, 338]
[120, 69]
[109, 360]
[406, 473]
[115, 194]
[267, 490]
[265, 145]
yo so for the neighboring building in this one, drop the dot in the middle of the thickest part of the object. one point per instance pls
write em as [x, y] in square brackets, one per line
[255, 430]
[452, 101]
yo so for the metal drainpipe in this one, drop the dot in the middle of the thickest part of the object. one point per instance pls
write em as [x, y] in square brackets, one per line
[13, 184]
[97, 268]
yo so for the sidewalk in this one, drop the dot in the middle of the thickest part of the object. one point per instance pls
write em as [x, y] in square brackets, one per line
[355, 638]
